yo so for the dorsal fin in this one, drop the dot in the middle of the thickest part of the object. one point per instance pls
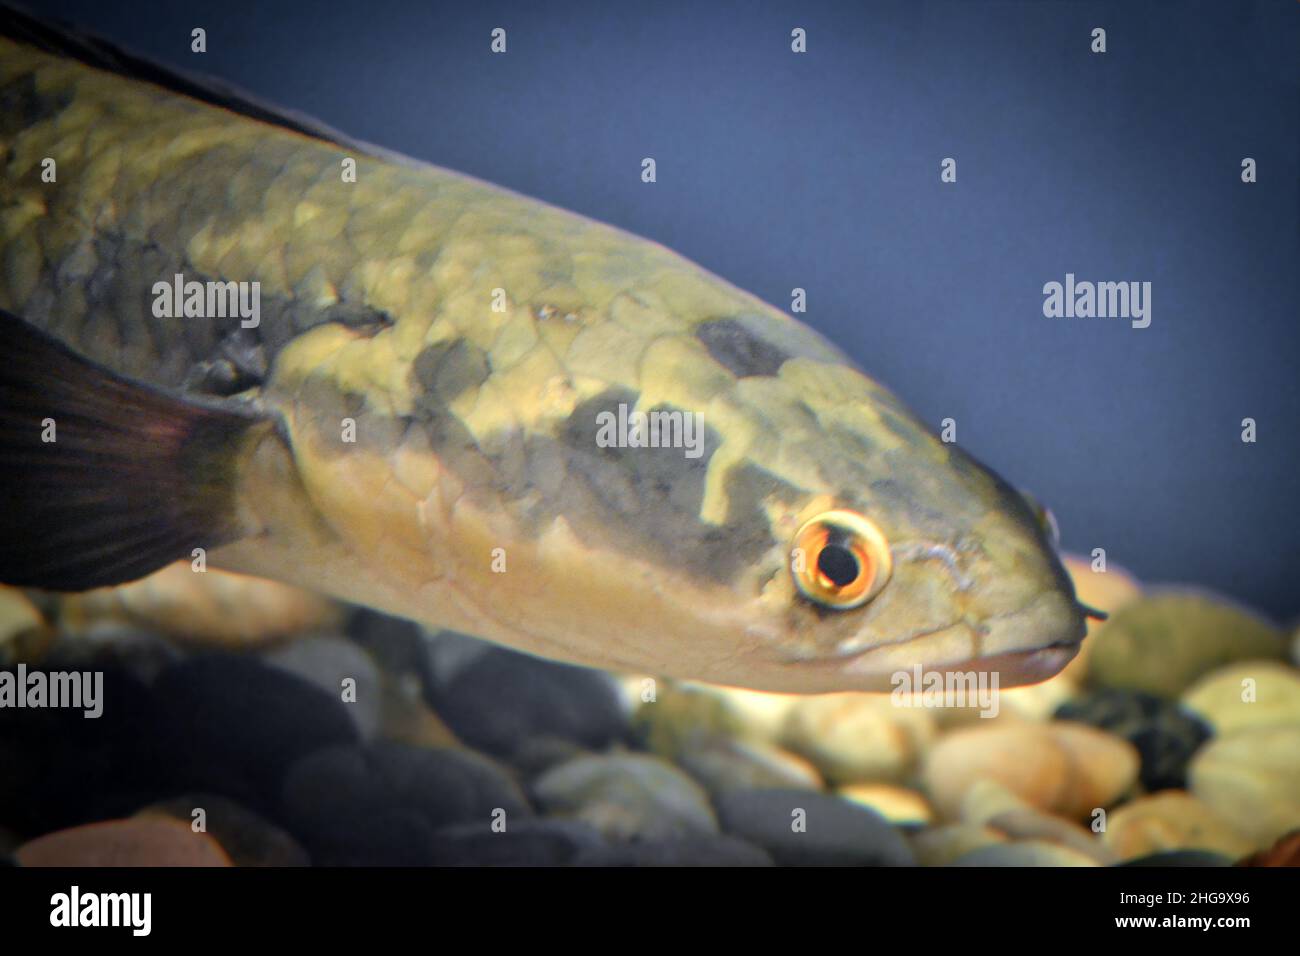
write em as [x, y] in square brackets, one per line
[61, 39]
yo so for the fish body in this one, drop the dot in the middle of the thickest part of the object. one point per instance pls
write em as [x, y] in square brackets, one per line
[430, 415]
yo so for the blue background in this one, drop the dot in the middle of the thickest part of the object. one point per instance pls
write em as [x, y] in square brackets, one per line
[821, 171]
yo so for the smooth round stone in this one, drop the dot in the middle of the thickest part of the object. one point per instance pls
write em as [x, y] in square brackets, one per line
[855, 738]
[1020, 759]
[333, 789]
[1223, 700]
[531, 842]
[1025, 853]
[18, 615]
[1103, 768]
[1030, 824]
[1165, 733]
[802, 828]
[724, 764]
[1165, 642]
[898, 805]
[1168, 821]
[503, 698]
[248, 839]
[695, 851]
[326, 661]
[1252, 779]
[214, 607]
[986, 799]
[1180, 858]
[138, 842]
[230, 717]
[682, 715]
[626, 796]
[939, 846]
[1065, 769]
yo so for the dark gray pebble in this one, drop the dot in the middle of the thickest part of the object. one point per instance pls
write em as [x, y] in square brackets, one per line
[836, 832]
[341, 788]
[528, 842]
[501, 699]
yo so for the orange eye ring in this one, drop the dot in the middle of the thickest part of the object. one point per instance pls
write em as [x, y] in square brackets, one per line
[840, 560]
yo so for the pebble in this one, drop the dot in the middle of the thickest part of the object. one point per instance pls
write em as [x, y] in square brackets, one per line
[501, 698]
[723, 764]
[898, 805]
[1066, 769]
[1025, 853]
[801, 828]
[139, 842]
[1245, 695]
[383, 803]
[213, 608]
[855, 738]
[58, 769]
[627, 796]
[681, 715]
[716, 850]
[327, 661]
[1165, 733]
[234, 725]
[248, 839]
[939, 846]
[1167, 821]
[18, 615]
[529, 842]
[1165, 642]
[1252, 779]
[1031, 824]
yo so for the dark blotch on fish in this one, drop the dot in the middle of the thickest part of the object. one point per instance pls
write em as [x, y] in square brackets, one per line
[446, 369]
[738, 349]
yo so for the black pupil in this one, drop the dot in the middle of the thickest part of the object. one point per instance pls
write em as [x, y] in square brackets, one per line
[838, 563]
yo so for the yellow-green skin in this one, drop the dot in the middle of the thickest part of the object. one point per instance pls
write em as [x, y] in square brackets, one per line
[474, 428]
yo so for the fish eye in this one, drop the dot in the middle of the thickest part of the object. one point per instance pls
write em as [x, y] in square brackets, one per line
[845, 560]
[1046, 520]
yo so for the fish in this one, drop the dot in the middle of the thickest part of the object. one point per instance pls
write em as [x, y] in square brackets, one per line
[460, 406]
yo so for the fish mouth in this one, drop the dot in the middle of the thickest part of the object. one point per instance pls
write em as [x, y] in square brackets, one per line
[1022, 647]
